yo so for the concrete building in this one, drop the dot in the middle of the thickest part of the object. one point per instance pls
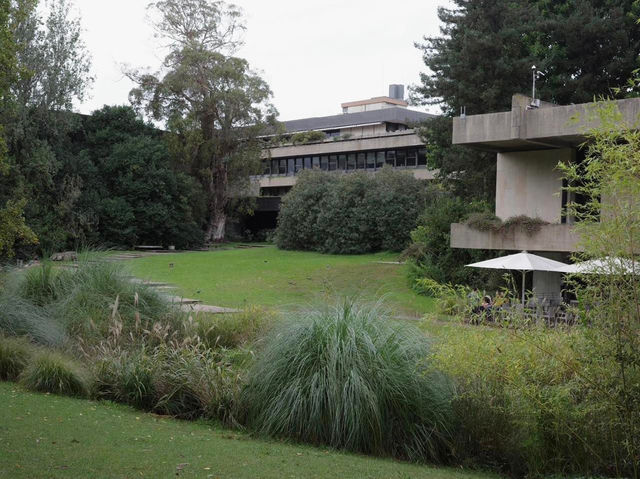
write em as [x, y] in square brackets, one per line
[367, 135]
[530, 140]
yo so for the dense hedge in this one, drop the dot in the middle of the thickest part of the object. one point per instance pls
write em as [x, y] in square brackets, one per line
[350, 214]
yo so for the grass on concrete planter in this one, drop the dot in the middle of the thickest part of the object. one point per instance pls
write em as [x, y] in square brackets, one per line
[51, 372]
[349, 377]
[14, 357]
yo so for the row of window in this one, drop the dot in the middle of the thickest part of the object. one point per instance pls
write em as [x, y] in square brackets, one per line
[370, 160]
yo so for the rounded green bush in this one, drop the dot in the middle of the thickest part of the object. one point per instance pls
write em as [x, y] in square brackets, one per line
[51, 372]
[349, 377]
[14, 357]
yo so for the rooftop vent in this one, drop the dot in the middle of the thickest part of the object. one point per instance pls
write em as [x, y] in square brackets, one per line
[396, 92]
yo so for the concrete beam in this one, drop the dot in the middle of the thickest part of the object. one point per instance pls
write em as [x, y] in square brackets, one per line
[536, 128]
[392, 140]
[553, 237]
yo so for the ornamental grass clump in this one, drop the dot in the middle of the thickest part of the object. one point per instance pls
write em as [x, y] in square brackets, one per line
[349, 377]
[51, 372]
[14, 357]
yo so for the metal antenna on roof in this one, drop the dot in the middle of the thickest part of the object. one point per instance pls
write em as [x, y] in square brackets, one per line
[535, 75]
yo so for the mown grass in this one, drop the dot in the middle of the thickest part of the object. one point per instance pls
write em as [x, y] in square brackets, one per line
[58, 437]
[270, 277]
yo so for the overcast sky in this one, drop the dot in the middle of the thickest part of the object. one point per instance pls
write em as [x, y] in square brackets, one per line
[315, 54]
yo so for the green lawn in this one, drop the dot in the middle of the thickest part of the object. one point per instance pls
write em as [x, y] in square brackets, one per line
[51, 436]
[270, 277]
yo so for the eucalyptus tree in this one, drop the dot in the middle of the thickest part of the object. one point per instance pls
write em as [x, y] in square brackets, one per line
[214, 105]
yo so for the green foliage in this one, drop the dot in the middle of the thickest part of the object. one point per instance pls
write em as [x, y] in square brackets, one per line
[13, 229]
[484, 55]
[487, 221]
[350, 214]
[131, 188]
[608, 225]
[193, 382]
[51, 372]
[453, 300]
[345, 376]
[431, 255]
[214, 104]
[20, 317]
[235, 330]
[305, 137]
[524, 404]
[127, 378]
[484, 221]
[41, 284]
[15, 354]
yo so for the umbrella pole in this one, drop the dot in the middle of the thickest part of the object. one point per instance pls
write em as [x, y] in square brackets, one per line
[523, 278]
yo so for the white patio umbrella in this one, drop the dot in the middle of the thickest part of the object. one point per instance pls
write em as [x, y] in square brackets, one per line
[606, 265]
[520, 262]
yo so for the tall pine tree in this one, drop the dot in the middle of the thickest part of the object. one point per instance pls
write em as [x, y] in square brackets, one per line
[484, 55]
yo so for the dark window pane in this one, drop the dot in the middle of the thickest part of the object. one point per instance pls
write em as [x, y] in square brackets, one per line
[342, 162]
[266, 167]
[371, 160]
[316, 162]
[391, 157]
[298, 164]
[307, 163]
[412, 157]
[333, 162]
[422, 157]
[351, 161]
[401, 158]
[291, 166]
[380, 159]
[283, 167]
[274, 167]
[361, 161]
[324, 163]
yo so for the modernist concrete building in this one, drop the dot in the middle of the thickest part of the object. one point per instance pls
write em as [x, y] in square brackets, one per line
[529, 141]
[367, 135]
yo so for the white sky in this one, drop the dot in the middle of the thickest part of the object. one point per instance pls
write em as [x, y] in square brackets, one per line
[314, 54]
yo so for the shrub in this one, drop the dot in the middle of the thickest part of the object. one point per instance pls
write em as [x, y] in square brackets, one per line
[431, 255]
[126, 378]
[234, 330]
[530, 225]
[523, 405]
[346, 214]
[51, 372]
[14, 356]
[348, 377]
[484, 221]
[305, 137]
[39, 284]
[192, 382]
[300, 209]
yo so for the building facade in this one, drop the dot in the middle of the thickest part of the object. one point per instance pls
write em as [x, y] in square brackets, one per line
[367, 135]
[530, 141]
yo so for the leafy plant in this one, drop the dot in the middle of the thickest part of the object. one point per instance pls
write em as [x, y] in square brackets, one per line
[346, 376]
[51, 372]
[14, 357]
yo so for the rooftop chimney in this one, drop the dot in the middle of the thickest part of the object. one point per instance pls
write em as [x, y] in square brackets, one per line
[396, 92]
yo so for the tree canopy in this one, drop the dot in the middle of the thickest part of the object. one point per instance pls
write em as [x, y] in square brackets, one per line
[484, 55]
[213, 103]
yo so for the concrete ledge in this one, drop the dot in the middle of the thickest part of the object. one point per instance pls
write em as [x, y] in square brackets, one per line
[553, 237]
[357, 145]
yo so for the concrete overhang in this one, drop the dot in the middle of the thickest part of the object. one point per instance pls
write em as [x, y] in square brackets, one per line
[551, 237]
[400, 139]
[526, 128]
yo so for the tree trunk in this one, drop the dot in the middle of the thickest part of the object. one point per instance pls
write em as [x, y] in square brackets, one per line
[217, 193]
